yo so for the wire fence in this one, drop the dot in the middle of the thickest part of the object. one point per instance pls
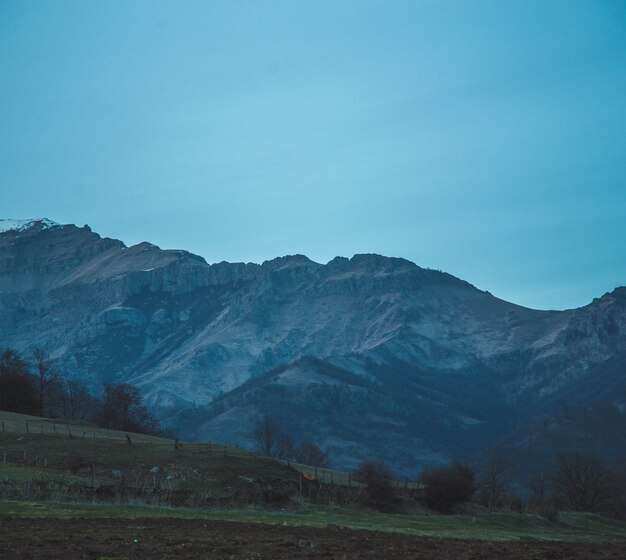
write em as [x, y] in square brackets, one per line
[32, 425]
[20, 424]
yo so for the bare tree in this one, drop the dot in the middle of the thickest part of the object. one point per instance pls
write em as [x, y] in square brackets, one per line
[48, 378]
[310, 454]
[122, 409]
[108, 406]
[539, 483]
[582, 481]
[75, 400]
[496, 473]
[269, 438]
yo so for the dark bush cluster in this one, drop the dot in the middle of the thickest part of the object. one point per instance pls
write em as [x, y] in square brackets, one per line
[380, 493]
[18, 392]
[445, 487]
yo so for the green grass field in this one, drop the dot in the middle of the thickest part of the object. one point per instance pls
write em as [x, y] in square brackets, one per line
[491, 527]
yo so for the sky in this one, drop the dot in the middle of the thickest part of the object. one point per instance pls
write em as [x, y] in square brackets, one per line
[486, 139]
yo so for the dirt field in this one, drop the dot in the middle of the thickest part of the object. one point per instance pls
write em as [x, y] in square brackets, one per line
[118, 539]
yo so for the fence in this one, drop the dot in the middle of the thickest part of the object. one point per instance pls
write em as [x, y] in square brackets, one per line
[32, 425]
[60, 428]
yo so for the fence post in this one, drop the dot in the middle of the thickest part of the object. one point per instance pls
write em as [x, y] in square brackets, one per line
[3, 425]
[27, 427]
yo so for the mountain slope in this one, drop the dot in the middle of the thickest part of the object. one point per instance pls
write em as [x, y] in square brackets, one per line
[375, 355]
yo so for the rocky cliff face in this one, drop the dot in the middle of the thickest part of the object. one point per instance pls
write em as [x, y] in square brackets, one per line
[369, 356]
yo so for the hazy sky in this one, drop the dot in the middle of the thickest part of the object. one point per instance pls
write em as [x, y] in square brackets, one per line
[487, 139]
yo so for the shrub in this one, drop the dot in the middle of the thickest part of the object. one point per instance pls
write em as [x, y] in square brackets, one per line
[444, 487]
[381, 494]
[549, 510]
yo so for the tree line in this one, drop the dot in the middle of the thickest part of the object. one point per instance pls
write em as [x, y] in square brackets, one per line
[38, 389]
[573, 481]
[272, 441]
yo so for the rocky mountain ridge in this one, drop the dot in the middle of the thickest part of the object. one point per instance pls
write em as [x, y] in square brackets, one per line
[349, 354]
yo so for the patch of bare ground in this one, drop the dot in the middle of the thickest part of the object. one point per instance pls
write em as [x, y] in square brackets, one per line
[139, 539]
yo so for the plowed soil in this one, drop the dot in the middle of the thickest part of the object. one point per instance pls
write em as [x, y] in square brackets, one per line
[117, 539]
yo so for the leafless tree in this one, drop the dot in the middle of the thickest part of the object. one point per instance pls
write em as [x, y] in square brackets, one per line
[582, 481]
[496, 474]
[122, 409]
[48, 378]
[539, 484]
[75, 400]
[310, 454]
[269, 438]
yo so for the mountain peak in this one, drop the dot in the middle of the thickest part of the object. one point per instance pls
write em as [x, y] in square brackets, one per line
[289, 261]
[373, 261]
[23, 225]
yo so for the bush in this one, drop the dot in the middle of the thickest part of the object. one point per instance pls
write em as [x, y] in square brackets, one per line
[444, 487]
[549, 510]
[516, 503]
[18, 392]
[381, 494]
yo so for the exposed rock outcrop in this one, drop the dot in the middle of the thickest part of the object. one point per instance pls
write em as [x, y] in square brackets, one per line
[390, 342]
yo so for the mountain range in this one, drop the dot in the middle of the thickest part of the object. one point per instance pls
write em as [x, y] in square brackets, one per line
[368, 357]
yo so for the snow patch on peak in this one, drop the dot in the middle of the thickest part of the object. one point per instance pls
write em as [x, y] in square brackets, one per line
[23, 225]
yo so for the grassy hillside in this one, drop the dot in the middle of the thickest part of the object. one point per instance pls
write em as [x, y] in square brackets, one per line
[48, 460]
[61, 446]
[51, 460]
[23, 424]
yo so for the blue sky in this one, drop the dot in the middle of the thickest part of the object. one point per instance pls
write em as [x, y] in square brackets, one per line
[487, 139]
